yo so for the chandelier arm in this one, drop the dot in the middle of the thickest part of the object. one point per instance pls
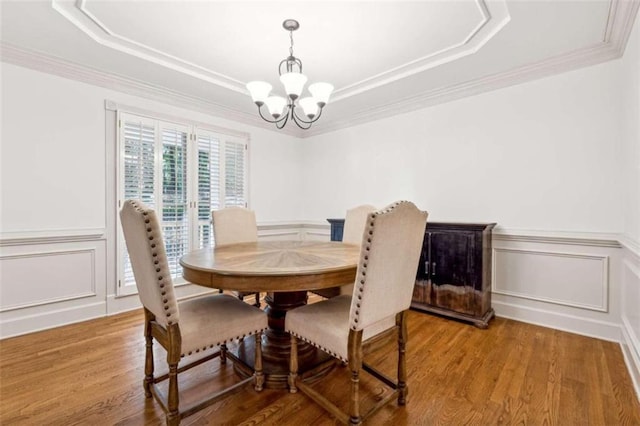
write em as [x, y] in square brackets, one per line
[272, 121]
[283, 121]
[300, 122]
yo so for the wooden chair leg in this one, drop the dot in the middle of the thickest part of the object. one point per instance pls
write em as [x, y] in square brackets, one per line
[257, 302]
[258, 363]
[293, 365]
[402, 361]
[355, 364]
[173, 414]
[173, 358]
[148, 358]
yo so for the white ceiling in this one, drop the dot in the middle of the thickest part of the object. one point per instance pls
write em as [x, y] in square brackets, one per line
[383, 57]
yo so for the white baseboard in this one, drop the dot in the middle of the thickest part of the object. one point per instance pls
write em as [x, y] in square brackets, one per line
[560, 321]
[51, 319]
[631, 353]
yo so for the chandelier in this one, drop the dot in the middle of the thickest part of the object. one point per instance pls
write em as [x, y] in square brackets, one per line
[283, 109]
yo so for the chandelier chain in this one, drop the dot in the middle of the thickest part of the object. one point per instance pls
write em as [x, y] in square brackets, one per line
[291, 46]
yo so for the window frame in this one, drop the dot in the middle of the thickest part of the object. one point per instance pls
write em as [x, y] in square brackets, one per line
[193, 131]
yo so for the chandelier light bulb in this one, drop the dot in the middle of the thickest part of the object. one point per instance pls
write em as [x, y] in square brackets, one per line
[259, 91]
[310, 107]
[293, 83]
[321, 92]
[276, 105]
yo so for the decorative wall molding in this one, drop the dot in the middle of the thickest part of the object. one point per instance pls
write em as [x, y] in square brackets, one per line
[564, 257]
[554, 237]
[630, 325]
[51, 236]
[632, 246]
[89, 291]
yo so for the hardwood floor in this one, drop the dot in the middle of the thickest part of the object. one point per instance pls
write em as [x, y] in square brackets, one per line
[511, 373]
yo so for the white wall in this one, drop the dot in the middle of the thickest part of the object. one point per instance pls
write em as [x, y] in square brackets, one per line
[53, 149]
[542, 155]
[631, 183]
[57, 223]
[542, 159]
[631, 135]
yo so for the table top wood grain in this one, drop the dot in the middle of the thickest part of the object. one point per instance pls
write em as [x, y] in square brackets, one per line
[273, 265]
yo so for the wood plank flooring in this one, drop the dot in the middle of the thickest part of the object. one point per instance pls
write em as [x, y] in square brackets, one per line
[512, 373]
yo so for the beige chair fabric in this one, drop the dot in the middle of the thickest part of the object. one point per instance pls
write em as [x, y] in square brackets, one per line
[233, 225]
[354, 224]
[184, 328]
[390, 250]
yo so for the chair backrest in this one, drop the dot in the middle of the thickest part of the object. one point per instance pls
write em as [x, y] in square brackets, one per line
[233, 225]
[389, 258]
[143, 236]
[355, 222]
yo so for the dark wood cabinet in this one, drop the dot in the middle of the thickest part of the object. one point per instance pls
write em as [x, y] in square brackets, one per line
[454, 273]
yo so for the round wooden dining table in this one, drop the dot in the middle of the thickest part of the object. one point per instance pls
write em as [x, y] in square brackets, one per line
[285, 270]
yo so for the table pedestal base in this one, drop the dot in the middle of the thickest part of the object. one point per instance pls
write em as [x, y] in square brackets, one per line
[276, 346]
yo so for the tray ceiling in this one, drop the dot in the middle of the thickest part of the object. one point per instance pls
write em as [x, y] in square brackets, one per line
[383, 57]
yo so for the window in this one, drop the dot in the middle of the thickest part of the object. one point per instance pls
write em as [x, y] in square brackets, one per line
[183, 172]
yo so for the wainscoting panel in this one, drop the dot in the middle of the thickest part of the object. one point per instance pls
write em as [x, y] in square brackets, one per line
[566, 281]
[553, 277]
[631, 312]
[26, 277]
[51, 281]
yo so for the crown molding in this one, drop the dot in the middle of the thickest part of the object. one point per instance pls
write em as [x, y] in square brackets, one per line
[73, 71]
[619, 26]
[622, 14]
[491, 19]
[620, 21]
[78, 14]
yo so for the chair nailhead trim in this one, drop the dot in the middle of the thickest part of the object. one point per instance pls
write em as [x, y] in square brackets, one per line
[224, 342]
[364, 262]
[151, 236]
[333, 354]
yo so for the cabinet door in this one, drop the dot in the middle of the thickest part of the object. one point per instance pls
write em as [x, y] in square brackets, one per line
[453, 275]
[451, 257]
[421, 287]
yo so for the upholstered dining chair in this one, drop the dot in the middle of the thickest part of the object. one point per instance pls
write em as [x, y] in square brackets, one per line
[233, 225]
[354, 223]
[196, 330]
[340, 326]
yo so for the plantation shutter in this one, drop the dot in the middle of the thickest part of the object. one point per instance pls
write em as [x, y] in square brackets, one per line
[175, 201]
[183, 173]
[208, 184]
[137, 159]
[235, 174]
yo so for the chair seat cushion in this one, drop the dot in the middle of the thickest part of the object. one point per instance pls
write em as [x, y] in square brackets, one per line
[326, 325]
[206, 322]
